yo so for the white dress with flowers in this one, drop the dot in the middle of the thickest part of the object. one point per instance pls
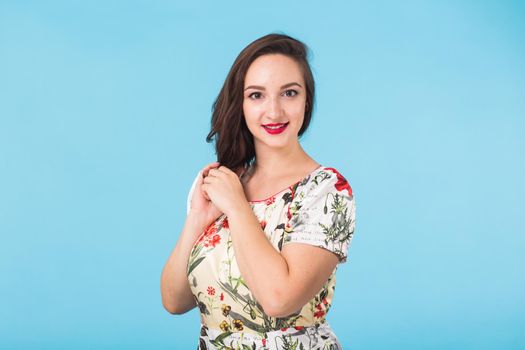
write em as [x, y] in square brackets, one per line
[318, 210]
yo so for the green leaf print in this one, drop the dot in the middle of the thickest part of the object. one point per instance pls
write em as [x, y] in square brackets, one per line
[338, 232]
[247, 323]
[232, 293]
[320, 177]
[281, 240]
[324, 292]
[287, 197]
[239, 281]
[219, 341]
[194, 255]
[288, 344]
[194, 264]
[288, 321]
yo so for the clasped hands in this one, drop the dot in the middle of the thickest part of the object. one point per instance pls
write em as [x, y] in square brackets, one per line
[223, 188]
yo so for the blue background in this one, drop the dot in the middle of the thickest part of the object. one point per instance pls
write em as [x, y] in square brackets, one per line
[104, 107]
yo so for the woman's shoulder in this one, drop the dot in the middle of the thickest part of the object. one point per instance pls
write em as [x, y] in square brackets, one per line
[328, 179]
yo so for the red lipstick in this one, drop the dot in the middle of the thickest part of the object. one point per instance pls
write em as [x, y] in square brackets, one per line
[275, 128]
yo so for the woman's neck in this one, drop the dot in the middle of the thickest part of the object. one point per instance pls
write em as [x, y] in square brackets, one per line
[278, 163]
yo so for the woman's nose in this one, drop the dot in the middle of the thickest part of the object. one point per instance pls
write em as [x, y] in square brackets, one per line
[274, 108]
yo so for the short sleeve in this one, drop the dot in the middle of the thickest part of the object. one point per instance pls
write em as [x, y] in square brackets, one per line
[190, 193]
[323, 213]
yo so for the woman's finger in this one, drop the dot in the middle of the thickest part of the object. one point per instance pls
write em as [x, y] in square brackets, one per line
[210, 165]
[207, 168]
[214, 172]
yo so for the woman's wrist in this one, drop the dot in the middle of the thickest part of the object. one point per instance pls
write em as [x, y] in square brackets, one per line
[196, 220]
[241, 210]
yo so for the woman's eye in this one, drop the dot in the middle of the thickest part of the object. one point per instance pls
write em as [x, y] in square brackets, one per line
[254, 93]
[257, 95]
[294, 93]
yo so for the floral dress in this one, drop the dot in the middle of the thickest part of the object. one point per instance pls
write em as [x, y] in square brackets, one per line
[318, 210]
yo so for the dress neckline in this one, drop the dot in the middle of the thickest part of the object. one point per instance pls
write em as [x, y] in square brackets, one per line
[320, 166]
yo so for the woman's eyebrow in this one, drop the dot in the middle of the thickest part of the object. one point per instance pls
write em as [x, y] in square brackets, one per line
[263, 88]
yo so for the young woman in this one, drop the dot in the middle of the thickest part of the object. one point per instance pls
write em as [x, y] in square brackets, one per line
[266, 225]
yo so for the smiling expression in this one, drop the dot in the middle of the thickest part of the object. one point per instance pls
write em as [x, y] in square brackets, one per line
[274, 100]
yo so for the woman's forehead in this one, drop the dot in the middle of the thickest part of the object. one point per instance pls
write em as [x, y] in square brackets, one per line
[273, 71]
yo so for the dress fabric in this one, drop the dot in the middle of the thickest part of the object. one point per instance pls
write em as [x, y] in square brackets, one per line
[318, 210]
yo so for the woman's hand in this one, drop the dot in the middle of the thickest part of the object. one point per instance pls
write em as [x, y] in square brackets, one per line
[201, 207]
[223, 187]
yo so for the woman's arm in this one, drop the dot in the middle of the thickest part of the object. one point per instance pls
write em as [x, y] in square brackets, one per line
[177, 297]
[281, 282]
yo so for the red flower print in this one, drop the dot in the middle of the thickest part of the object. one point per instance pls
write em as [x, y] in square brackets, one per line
[264, 341]
[319, 314]
[211, 290]
[270, 200]
[318, 307]
[341, 184]
[212, 241]
[263, 224]
[284, 329]
[210, 230]
[222, 297]
[325, 301]
[215, 240]
[225, 223]
[299, 327]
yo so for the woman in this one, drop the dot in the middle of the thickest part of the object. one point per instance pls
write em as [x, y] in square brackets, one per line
[266, 225]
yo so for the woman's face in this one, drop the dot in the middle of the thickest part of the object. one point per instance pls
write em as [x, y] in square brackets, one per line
[274, 100]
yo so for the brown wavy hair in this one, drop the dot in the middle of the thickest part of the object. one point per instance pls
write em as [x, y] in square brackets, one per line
[234, 144]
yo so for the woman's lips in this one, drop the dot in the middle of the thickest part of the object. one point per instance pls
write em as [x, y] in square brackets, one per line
[275, 130]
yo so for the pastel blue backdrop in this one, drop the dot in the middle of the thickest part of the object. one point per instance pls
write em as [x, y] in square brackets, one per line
[104, 108]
